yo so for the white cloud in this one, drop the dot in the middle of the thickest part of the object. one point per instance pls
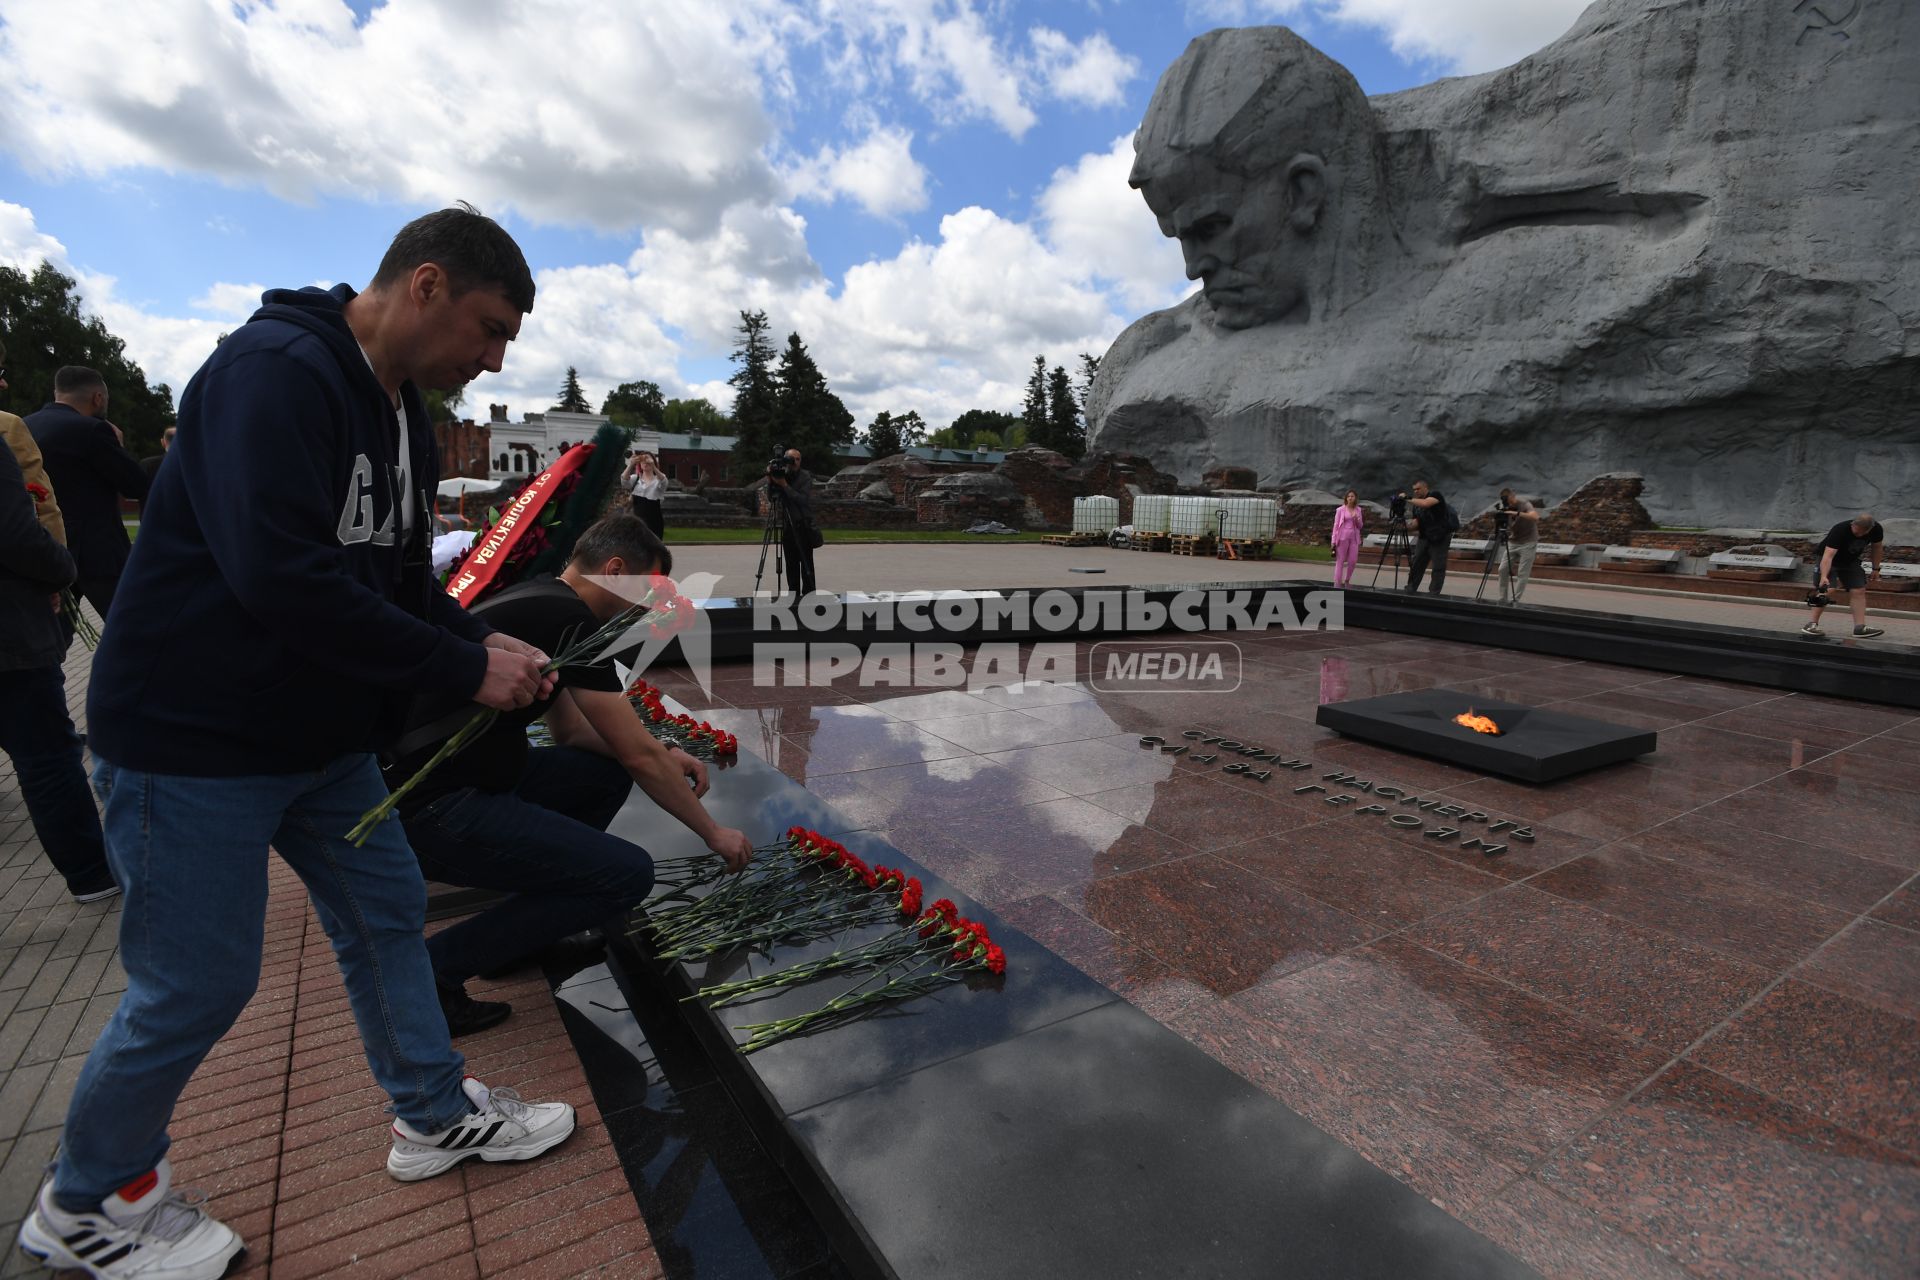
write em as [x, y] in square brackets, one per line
[879, 174]
[1463, 36]
[230, 301]
[1096, 222]
[23, 246]
[653, 118]
[1092, 72]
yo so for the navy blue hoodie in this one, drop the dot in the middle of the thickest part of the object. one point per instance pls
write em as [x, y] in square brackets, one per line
[271, 618]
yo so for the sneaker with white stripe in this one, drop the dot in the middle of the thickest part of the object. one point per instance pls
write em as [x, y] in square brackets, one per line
[144, 1231]
[502, 1127]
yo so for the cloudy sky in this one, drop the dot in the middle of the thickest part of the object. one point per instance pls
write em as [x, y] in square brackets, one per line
[929, 191]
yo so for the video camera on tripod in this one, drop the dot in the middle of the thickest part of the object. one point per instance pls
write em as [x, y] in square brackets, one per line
[1397, 507]
[780, 466]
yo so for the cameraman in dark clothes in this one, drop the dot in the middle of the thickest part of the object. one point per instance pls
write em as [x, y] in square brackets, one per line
[795, 496]
[1436, 535]
[1840, 554]
[533, 820]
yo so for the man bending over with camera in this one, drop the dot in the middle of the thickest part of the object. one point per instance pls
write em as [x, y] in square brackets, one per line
[533, 820]
[1840, 554]
[1523, 539]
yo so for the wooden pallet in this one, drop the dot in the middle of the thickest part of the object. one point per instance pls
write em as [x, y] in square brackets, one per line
[1072, 539]
[1190, 544]
[1246, 549]
[1148, 542]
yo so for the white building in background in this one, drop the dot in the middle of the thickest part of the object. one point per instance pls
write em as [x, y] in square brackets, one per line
[524, 448]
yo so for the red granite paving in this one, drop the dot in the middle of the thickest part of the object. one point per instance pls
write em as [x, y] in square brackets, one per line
[284, 1128]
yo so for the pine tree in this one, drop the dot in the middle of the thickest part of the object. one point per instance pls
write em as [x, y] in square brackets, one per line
[572, 398]
[1034, 412]
[755, 397]
[1064, 431]
[809, 416]
[1089, 367]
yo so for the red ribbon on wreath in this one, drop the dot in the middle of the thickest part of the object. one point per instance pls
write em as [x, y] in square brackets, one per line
[494, 548]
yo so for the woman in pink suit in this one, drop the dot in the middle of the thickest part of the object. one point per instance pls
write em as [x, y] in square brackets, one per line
[1347, 523]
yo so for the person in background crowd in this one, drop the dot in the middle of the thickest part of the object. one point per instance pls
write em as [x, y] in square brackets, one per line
[533, 820]
[1436, 536]
[33, 468]
[151, 464]
[1348, 521]
[1523, 539]
[645, 484]
[275, 619]
[36, 732]
[91, 470]
[1841, 552]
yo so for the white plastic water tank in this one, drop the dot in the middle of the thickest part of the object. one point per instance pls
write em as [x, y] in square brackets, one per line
[1194, 516]
[1251, 519]
[1097, 514]
[1151, 511]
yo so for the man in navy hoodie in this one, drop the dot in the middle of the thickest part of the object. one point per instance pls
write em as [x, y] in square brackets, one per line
[275, 617]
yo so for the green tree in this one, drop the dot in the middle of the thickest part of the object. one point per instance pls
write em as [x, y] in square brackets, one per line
[1064, 431]
[572, 398]
[1034, 411]
[883, 437]
[888, 434]
[756, 398]
[694, 417]
[986, 440]
[974, 421]
[808, 416]
[635, 404]
[1089, 366]
[45, 329]
[441, 405]
[947, 438]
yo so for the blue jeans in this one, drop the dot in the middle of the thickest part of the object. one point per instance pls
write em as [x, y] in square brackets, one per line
[546, 843]
[37, 732]
[191, 858]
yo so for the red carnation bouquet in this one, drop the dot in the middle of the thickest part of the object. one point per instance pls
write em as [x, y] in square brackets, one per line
[811, 886]
[679, 729]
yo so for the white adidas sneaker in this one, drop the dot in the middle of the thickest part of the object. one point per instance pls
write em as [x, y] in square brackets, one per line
[502, 1127]
[144, 1231]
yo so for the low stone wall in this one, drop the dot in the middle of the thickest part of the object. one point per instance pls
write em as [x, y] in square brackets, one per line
[1606, 509]
[1706, 544]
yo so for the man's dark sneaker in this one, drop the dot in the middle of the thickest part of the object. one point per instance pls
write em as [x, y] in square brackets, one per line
[465, 1015]
[93, 887]
[145, 1229]
[1867, 633]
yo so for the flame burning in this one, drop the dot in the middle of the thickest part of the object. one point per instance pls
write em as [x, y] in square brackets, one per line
[1479, 724]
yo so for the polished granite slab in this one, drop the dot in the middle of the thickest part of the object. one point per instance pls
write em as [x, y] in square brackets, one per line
[1758, 844]
[1025, 1124]
[1531, 744]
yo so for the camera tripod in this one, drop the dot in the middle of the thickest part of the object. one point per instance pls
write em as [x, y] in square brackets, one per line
[1399, 546]
[1496, 555]
[773, 538]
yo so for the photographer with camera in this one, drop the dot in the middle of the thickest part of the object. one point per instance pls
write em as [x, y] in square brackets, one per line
[1840, 554]
[1437, 523]
[790, 489]
[1518, 525]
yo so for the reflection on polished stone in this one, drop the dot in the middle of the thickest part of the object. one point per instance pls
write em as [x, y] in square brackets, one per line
[1493, 1054]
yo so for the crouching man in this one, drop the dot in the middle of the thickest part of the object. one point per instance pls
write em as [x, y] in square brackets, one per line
[532, 821]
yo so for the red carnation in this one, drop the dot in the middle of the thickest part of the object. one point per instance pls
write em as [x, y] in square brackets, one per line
[996, 959]
[40, 492]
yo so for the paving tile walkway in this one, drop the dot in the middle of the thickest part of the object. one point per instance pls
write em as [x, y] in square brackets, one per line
[283, 1125]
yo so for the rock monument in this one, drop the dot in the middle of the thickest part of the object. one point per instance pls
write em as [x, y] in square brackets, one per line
[1681, 240]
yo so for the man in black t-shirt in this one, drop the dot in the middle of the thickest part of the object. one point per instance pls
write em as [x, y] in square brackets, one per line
[533, 821]
[1841, 552]
[795, 495]
[1436, 535]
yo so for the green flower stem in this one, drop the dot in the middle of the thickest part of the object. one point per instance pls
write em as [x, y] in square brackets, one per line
[469, 733]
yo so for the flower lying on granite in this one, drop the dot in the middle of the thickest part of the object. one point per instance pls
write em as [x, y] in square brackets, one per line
[696, 737]
[810, 886]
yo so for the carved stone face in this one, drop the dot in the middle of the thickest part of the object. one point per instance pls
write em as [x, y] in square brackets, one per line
[1235, 233]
